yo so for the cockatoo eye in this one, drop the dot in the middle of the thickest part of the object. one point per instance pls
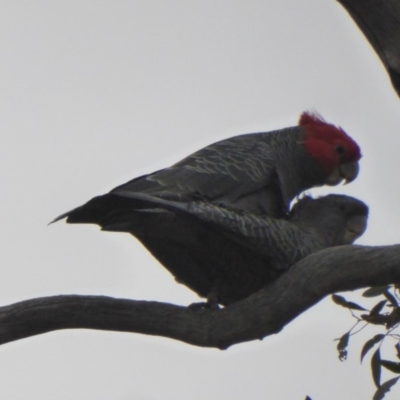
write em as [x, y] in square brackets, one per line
[340, 150]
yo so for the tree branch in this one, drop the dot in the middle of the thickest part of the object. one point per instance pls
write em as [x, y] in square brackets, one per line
[379, 20]
[262, 314]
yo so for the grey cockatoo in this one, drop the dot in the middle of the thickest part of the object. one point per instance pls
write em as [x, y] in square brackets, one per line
[260, 172]
[254, 175]
[227, 255]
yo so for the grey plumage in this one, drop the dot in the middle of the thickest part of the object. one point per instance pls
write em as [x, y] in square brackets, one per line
[251, 172]
[258, 172]
[174, 211]
[231, 254]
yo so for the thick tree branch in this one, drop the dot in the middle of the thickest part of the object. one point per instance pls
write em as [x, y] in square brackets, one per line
[262, 314]
[379, 20]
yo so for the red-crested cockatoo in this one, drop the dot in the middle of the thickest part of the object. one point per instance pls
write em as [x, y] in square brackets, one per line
[259, 173]
[256, 174]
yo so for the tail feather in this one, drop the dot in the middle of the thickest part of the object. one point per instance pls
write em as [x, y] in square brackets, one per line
[100, 210]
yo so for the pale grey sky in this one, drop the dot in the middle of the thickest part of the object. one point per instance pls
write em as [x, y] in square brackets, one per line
[94, 93]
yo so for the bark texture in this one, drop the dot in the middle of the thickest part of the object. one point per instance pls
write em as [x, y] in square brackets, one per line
[379, 20]
[262, 314]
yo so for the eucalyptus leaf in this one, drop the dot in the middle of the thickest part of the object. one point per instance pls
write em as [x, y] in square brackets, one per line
[376, 368]
[375, 291]
[341, 301]
[385, 387]
[369, 344]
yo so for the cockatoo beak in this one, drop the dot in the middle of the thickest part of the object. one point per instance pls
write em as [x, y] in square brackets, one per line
[349, 171]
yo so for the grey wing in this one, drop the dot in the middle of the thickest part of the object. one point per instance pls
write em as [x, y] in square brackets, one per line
[281, 240]
[238, 171]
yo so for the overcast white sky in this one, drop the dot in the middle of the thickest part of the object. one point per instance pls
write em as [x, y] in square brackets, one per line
[94, 93]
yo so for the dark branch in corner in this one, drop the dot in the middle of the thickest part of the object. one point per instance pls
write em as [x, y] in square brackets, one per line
[262, 314]
[379, 20]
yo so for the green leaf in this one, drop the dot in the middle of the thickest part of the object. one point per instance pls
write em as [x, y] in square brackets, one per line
[378, 307]
[391, 366]
[376, 319]
[376, 367]
[369, 344]
[385, 387]
[397, 347]
[347, 304]
[394, 318]
[391, 298]
[375, 291]
[338, 299]
[343, 342]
